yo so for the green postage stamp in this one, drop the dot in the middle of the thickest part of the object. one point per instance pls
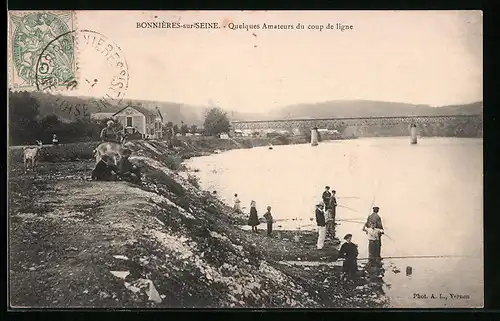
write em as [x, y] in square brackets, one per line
[42, 50]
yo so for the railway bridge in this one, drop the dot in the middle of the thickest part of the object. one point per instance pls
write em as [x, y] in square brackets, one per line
[333, 123]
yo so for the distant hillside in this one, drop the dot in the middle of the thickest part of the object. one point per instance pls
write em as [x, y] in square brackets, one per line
[174, 112]
[194, 115]
[368, 108]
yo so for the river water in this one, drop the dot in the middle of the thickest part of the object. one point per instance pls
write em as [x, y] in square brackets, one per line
[430, 197]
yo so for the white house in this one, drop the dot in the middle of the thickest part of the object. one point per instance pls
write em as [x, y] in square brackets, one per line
[140, 119]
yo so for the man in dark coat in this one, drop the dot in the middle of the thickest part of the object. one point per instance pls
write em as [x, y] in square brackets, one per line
[321, 223]
[333, 205]
[104, 171]
[326, 197]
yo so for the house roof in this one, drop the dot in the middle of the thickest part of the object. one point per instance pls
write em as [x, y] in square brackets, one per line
[143, 110]
[101, 115]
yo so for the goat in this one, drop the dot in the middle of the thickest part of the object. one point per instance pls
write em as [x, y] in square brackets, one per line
[31, 155]
[112, 149]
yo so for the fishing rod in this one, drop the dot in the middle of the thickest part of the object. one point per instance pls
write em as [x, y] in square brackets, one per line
[313, 263]
[351, 221]
[347, 207]
[417, 257]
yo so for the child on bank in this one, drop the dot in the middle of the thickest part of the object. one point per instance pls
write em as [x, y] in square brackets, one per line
[269, 220]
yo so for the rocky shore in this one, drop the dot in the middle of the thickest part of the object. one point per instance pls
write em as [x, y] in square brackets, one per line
[165, 244]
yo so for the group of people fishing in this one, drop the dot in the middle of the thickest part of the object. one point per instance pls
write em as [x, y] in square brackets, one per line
[325, 220]
[107, 170]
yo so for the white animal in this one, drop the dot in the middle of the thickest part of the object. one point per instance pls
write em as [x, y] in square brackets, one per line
[113, 150]
[31, 156]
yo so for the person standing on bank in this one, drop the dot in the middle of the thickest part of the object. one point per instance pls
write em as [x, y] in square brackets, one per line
[321, 223]
[349, 252]
[374, 235]
[55, 140]
[253, 220]
[269, 219]
[333, 205]
[237, 204]
[108, 134]
[326, 197]
[375, 222]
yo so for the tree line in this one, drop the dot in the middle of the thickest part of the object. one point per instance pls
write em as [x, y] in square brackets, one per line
[26, 124]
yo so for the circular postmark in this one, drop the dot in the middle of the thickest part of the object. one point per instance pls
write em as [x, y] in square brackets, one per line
[102, 71]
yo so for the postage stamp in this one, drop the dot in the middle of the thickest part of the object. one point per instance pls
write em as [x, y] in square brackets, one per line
[29, 34]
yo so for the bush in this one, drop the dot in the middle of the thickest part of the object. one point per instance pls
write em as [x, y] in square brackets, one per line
[193, 180]
[173, 162]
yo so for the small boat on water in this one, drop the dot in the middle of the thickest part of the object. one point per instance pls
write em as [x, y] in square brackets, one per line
[270, 146]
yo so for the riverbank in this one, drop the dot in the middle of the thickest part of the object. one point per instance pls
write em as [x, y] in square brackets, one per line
[79, 243]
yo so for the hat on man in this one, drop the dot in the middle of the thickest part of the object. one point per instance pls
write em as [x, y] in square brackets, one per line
[376, 208]
[109, 122]
[327, 187]
[347, 236]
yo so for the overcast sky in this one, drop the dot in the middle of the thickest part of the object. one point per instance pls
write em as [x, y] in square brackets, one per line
[420, 57]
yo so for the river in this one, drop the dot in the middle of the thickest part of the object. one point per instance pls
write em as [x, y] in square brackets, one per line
[430, 197]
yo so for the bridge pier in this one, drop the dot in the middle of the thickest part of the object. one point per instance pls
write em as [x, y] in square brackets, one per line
[314, 137]
[413, 134]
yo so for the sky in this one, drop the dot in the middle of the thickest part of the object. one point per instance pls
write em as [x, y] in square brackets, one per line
[419, 57]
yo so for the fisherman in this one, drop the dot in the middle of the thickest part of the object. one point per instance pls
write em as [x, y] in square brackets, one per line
[253, 219]
[330, 223]
[326, 197]
[126, 170]
[375, 219]
[108, 134]
[375, 222]
[349, 252]
[333, 205]
[374, 235]
[269, 219]
[104, 170]
[321, 223]
[237, 204]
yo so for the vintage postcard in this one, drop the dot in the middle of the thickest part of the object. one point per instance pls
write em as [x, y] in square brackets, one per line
[245, 159]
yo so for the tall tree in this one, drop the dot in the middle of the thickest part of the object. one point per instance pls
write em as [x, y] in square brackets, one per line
[184, 129]
[216, 122]
[23, 113]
